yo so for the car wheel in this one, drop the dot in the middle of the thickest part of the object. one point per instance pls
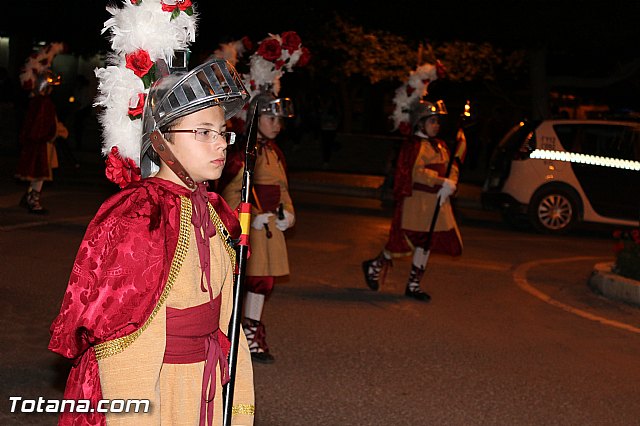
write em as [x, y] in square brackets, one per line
[553, 211]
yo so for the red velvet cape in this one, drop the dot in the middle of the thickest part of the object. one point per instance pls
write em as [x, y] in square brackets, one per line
[119, 273]
[38, 128]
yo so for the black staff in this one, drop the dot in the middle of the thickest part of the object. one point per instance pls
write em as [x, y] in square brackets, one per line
[242, 251]
[460, 139]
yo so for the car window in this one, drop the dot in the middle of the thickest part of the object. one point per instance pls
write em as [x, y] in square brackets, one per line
[517, 135]
[611, 141]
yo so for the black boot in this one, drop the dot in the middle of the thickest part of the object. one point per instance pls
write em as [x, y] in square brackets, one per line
[375, 271]
[413, 289]
[256, 338]
[31, 200]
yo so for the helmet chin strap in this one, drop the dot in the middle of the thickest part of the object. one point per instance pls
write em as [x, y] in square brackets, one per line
[161, 146]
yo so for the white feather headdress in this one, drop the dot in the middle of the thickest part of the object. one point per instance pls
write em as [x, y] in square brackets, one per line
[411, 91]
[141, 33]
[276, 55]
[38, 63]
[233, 51]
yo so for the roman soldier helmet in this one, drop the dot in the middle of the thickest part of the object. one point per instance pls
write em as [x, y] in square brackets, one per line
[181, 93]
[268, 104]
[46, 80]
[146, 85]
[424, 109]
[36, 75]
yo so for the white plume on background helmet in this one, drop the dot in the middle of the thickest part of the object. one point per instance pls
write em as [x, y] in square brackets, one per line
[264, 76]
[231, 51]
[143, 26]
[411, 92]
[38, 63]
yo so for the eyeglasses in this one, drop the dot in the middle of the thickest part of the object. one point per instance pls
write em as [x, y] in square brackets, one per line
[207, 135]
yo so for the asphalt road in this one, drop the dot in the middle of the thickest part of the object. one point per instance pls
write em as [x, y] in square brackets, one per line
[513, 335]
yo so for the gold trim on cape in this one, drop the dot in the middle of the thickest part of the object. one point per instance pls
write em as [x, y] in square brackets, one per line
[115, 346]
[224, 235]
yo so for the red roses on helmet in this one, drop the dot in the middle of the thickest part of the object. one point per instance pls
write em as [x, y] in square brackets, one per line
[270, 49]
[290, 41]
[121, 171]
[304, 57]
[139, 62]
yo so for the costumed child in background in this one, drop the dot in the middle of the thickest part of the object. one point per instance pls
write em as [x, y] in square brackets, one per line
[40, 127]
[273, 211]
[420, 180]
[148, 304]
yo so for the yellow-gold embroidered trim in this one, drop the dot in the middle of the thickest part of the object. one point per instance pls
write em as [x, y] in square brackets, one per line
[115, 346]
[224, 235]
[243, 409]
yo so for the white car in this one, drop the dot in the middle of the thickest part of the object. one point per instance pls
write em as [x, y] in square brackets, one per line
[559, 172]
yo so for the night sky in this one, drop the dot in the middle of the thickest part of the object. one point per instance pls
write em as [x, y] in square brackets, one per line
[584, 37]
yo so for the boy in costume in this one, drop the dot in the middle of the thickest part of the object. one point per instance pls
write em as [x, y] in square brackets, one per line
[147, 307]
[40, 127]
[420, 181]
[273, 211]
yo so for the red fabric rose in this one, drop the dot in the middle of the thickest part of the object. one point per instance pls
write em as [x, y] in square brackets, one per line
[304, 57]
[290, 41]
[246, 42]
[180, 4]
[137, 110]
[410, 90]
[139, 62]
[279, 63]
[121, 171]
[270, 49]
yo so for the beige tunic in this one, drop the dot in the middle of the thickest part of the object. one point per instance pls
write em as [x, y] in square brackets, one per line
[175, 390]
[418, 209]
[268, 255]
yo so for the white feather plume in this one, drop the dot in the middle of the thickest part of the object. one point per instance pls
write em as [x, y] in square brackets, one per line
[411, 91]
[148, 27]
[116, 84]
[39, 62]
[133, 27]
[231, 51]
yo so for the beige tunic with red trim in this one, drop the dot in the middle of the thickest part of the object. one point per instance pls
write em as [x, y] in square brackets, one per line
[175, 390]
[418, 209]
[268, 255]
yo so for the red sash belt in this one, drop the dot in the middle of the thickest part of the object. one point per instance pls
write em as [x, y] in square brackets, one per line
[194, 335]
[268, 196]
[426, 188]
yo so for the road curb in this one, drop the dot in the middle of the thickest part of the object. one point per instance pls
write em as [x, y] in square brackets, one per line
[614, 286]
